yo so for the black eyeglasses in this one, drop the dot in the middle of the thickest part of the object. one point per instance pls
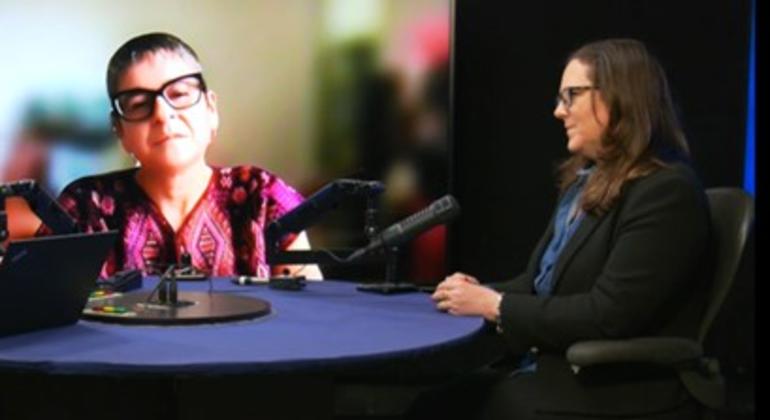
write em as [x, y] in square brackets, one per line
[180, 93]
[567, 95]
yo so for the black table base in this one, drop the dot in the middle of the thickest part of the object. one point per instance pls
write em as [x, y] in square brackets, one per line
[190, 308]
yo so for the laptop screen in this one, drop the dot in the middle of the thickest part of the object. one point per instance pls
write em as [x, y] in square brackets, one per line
[45, 282]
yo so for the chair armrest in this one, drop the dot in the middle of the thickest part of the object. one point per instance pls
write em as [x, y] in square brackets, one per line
[666, 351]
[699, 375]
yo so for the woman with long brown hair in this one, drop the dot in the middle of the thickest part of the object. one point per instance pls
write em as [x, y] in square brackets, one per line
[621, 257]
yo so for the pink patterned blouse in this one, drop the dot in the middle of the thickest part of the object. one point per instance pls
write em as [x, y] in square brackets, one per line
[222, 234]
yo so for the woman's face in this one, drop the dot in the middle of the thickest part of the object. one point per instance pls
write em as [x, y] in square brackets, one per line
[169, 139]
[581, 107]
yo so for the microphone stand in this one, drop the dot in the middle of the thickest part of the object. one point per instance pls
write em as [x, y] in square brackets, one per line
[370, 223]
[391, 265]
[167, 291]
[187, 271]
[391, 284]
[306, 214]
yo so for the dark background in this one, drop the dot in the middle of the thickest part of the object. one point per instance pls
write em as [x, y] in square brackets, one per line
[507, 63]
[508, 59]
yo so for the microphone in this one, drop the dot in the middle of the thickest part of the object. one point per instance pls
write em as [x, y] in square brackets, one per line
[41, 203]
[440, 211]
[322, 201]
[310, 210]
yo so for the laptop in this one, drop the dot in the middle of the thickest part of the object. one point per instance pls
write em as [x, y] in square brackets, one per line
[45, 282]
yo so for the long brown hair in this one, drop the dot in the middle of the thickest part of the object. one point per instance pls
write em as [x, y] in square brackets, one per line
[643, 132]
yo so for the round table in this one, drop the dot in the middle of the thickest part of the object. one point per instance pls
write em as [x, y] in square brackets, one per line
[315, 354]
[327, 325]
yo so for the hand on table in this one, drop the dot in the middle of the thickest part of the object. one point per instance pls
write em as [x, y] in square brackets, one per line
[461, 294]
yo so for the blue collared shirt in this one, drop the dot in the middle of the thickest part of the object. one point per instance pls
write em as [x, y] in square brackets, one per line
[568, 218]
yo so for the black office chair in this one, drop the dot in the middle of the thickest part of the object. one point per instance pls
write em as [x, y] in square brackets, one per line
[732, 216]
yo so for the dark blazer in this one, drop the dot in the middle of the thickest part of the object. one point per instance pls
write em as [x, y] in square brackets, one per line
[637, 270]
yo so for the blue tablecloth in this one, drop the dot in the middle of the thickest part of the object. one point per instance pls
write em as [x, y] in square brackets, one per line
[327, 325]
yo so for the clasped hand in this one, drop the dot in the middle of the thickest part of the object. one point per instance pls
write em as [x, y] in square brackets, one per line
[461, 294]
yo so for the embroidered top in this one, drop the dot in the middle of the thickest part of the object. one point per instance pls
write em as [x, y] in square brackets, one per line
[223, 233]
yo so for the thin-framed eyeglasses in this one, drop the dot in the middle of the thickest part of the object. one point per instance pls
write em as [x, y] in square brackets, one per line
[567, 95]
[180, 93]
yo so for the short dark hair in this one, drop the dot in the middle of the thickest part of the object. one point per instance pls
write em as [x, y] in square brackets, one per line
[136, 48]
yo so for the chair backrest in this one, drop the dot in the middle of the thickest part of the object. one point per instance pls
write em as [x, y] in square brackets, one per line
[732, 218]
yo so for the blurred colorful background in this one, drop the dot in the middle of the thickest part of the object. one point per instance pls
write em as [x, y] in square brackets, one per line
[313, 90]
